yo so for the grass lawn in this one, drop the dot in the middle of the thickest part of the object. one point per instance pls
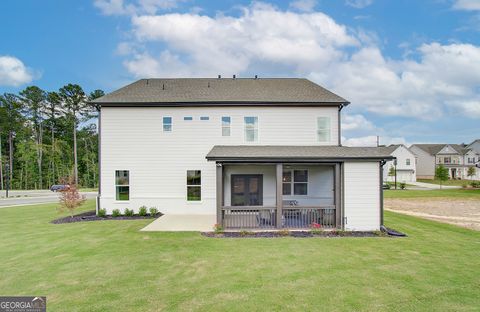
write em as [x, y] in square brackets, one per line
[111, 266]
[448, 182]
[452, 193]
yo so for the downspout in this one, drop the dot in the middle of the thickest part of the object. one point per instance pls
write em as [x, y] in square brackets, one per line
[340, 107]
[99, 157]
[382, 163]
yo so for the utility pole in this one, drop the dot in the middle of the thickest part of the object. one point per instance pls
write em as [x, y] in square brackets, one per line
[395, 163]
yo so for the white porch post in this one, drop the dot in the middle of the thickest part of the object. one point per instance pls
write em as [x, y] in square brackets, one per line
[279, 197]
[219, 193]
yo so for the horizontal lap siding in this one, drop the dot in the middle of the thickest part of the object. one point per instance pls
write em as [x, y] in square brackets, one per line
[362, 196]
[133, 139]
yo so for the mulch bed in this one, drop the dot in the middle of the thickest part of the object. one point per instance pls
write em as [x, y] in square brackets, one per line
[91, 216]
[301, 234]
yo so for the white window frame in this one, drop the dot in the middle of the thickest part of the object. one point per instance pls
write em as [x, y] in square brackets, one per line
[292, 181]
[324, 130]
[407, 162]
[193, 185]
[165, 125]
[255, 129]
[226, 126]
[120, 185]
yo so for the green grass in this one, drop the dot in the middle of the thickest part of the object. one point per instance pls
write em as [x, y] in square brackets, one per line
[88, 189]
[448, 182]
[111, 266]
[452, 193]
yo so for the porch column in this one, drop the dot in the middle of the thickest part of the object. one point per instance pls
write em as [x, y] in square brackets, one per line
[279, 197]
[338, 197]
[219, 195]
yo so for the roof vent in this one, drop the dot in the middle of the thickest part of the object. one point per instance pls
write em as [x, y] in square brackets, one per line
[234, 76]
[219, 76]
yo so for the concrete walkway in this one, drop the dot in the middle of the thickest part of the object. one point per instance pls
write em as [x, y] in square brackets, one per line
[182, 223]
[433, 186]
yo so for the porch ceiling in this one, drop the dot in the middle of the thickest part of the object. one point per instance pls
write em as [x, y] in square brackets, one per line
[296, 153]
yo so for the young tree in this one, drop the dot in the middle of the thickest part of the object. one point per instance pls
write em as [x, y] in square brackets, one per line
[52, 111]
[391, 171]
[441, 174]
[471, 172]
[70, 198]
[75, 107]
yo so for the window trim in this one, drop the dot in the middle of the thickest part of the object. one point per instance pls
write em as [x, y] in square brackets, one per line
[227, 126]
[117, 185]
[407, 162]
[255, 128]
[167, 124]
[328, 129]
[292, 181]
[193, 185]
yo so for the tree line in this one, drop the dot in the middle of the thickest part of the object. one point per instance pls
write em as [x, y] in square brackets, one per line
[48, 135]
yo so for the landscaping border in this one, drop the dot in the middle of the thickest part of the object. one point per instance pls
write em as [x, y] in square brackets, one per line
[91, 216]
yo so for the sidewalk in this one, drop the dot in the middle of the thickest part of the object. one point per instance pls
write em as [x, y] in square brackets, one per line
[433, 186]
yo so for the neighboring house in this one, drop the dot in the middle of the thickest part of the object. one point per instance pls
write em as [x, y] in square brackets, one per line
[457, 158]
[257, 153]
[406, 168]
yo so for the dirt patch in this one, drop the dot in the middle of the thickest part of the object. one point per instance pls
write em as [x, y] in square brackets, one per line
[461, 212]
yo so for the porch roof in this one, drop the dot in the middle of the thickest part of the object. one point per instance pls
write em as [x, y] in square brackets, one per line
[293, 153]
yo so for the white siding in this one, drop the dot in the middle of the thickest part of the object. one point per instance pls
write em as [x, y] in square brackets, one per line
[405, 173]
[425, 163]
[362, 196]
[132, 139]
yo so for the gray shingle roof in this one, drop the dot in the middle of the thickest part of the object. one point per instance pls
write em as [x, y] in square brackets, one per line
[292, 153]
[224, 90]
[434, 149]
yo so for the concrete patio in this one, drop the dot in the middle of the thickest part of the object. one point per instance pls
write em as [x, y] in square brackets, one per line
[181, 223]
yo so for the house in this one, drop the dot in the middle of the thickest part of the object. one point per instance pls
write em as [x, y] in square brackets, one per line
[255, 153]
[405, 164]
[457, 158]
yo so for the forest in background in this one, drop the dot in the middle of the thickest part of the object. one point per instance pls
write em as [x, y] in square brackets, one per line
[48, 135]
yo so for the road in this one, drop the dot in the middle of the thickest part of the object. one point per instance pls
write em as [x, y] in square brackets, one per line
[20, 198]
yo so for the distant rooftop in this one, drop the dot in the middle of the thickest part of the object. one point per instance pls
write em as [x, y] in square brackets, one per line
[434, 149]
[256, 91]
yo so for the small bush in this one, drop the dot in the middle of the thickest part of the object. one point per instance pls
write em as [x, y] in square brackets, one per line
[218, 228]
[464, 185]
[403, 185]
[153, 211]
[316, 228]
[128, 212]
[284, 232]
[102, 212]
[142, 211]
[244, 233]
[116, 213]
[475, 184]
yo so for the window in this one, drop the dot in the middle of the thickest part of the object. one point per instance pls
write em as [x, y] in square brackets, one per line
[251, 129]
[447, 160]
[122, 184]
[407, 161]
[296, 181]
[167, 124]
[204, 118]
[188, 118]
[226, 121]
[194, 185]
[323, 129]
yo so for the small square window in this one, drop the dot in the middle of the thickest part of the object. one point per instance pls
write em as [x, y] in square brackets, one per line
[188, 118]
[167, 124]
[204, 118]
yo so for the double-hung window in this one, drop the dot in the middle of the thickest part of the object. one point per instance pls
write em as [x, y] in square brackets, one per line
[323, 129]
[194, 185]
[251, 129]
[226, 122]
[295, 182]
[407, 161]
[167, 124]
[122, 185]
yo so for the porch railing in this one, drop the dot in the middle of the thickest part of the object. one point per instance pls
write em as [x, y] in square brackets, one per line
[293, 217]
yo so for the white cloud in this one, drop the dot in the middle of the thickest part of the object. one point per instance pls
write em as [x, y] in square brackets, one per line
[121, 7]
[372, 141]
[303, 5]
[13, 72]
[359, 4]
[356, 122]
[467, 5]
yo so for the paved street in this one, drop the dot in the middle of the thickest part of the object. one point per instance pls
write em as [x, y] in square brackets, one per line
[18, 198]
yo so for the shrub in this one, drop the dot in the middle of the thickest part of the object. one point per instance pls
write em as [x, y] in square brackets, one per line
[464, 185]
[142, 211]
[153, 211]
[70, 198]
[403, 185]
[116, 213]
[218, 228]
[102, 212]
[284, 232]
[316, 228]
[128, 212]
[244, 233]
[475, 184]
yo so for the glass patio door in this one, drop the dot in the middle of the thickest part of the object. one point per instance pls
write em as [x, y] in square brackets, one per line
[247, 189]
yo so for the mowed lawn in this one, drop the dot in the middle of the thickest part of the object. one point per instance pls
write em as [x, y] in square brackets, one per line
[448, 182]
[447, 193]
[111, 266]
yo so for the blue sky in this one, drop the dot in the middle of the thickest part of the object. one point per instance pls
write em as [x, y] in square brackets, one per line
[411, 69]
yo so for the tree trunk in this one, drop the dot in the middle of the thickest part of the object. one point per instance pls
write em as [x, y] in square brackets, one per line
[10, 147]
[39, 155]
[1, 164]
[75, 167]
[52, 162]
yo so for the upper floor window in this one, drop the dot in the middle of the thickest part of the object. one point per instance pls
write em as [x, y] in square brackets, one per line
[407, 161]
[122, 185]
[323, 129]
[187, 118]
[204, 118]
[194, 185]
[251, 129]
[447, 160]
[226, 121]
[295, 182]
[167, 124]
[471, 160]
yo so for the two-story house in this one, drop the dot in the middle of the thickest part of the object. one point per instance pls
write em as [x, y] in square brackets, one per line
[457, 158]
[253, 153]
[405, 164]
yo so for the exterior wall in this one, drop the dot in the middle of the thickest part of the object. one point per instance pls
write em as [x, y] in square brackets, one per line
[475, 145]
[405, 173]
[425, 163]
[362, 196]
[133, 139]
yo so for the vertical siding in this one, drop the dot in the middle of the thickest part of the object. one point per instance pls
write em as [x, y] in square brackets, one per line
[362, 196]
[133, 139]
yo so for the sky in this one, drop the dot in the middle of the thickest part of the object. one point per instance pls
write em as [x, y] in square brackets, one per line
[411, 69]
